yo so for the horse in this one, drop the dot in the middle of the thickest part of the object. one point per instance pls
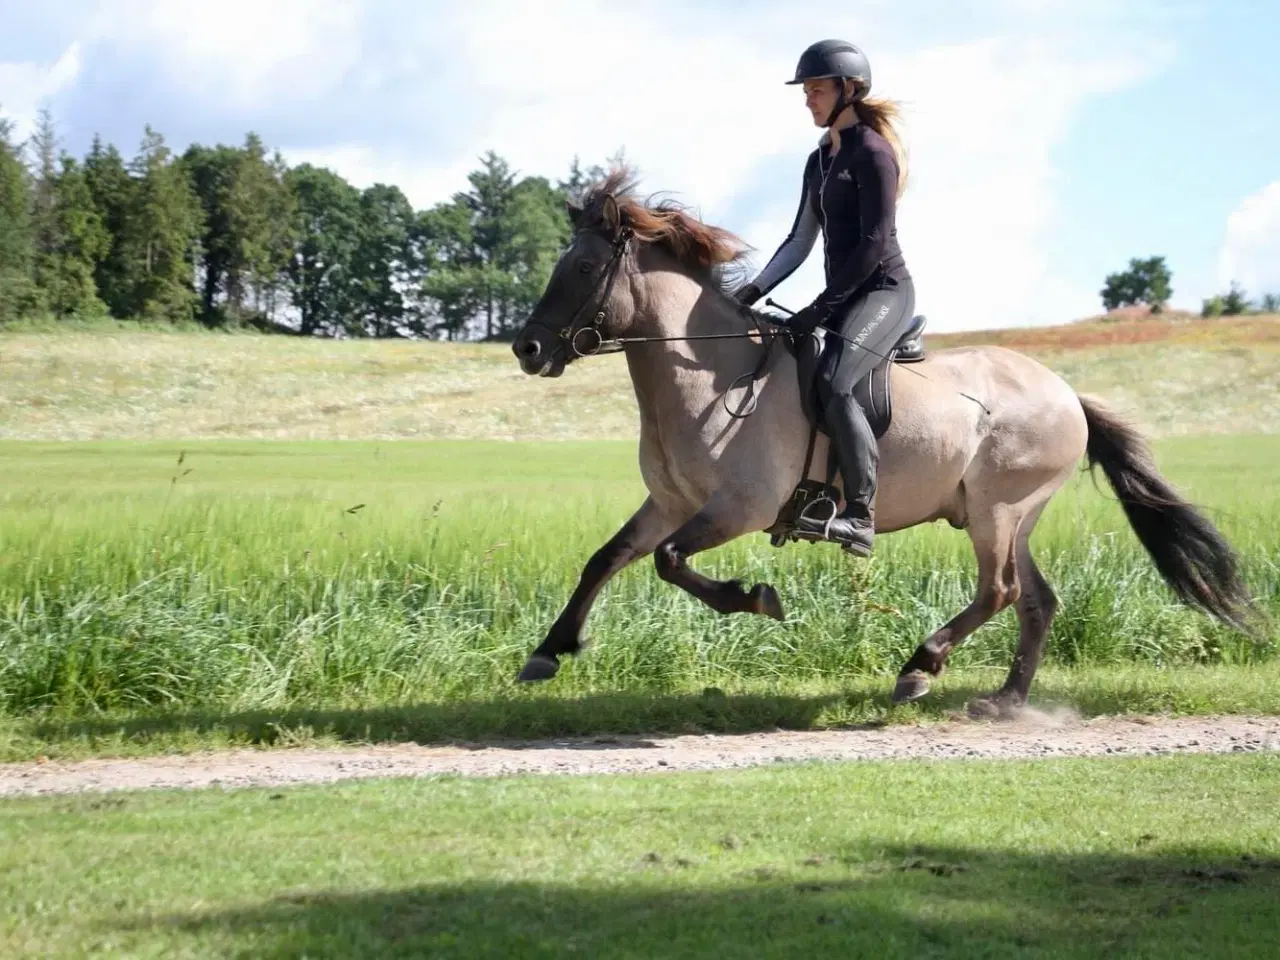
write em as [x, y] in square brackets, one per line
[980, 437]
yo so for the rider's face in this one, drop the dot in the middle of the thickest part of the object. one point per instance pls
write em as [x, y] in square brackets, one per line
[820, 98]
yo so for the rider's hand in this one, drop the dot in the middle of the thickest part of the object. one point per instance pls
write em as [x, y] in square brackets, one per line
[747, 295]
[805, 320]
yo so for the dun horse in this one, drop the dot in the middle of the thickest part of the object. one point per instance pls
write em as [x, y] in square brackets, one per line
[979, 437]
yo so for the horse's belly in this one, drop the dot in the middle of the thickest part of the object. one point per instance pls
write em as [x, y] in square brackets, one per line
[914, 487]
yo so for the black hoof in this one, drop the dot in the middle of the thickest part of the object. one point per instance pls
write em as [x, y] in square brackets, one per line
[764, 601]
[997, 706]
[538, 667]
[911, 686]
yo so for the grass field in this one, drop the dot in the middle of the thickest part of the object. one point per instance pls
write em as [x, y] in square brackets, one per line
[159, 587]
[1179, 376]
[1152, 857]
[309, 579]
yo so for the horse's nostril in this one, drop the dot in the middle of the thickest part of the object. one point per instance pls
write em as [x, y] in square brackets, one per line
[530, 349]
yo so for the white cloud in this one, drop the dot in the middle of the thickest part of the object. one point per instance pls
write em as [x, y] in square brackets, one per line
[1250, 253]
[694, 95]
[363, 166]
[25, 87]
[689, 105]
[701, 108]
[976, 222]
[238, 51]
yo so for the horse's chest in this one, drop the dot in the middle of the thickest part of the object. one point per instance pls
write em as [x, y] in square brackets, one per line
[678, 475]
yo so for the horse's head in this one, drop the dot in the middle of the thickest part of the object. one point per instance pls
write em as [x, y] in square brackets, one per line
[589, 300]
[583, 302]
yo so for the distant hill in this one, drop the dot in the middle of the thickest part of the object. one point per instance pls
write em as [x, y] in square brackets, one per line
[1177, 373]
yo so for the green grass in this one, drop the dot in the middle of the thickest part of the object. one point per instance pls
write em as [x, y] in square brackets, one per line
[1150, 857]
[128, 382]
[284, 578]
[856, 702]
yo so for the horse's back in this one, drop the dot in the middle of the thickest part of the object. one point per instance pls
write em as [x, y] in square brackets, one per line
[1031, 412]
[963, 416]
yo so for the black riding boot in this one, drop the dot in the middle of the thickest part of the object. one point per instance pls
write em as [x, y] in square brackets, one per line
[858, 456]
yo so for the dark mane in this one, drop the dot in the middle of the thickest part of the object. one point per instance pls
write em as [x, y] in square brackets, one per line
[708, 251]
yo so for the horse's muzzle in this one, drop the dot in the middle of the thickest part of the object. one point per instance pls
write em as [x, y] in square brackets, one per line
[535, 359]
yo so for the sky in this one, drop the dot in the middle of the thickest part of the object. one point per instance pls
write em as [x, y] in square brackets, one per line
[1049, 140]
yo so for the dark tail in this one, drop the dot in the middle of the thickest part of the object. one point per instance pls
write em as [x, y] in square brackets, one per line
[1191, 554]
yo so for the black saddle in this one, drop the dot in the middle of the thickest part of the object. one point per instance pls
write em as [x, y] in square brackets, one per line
[873, 392]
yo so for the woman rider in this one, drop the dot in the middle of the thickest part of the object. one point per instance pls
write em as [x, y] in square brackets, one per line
[850, 190]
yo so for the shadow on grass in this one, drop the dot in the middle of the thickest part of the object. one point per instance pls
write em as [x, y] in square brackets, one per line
[516, 719]
[533, 716]
[896, 901]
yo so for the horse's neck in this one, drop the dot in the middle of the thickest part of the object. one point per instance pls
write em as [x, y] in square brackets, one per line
[678, 378]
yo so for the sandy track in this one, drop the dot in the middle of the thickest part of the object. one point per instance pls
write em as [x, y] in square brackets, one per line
[1035, 736]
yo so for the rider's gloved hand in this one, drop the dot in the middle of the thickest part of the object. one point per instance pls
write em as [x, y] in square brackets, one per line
[804, 321]
[747, 295]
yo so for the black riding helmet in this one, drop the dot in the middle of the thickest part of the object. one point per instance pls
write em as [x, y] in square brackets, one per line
[838, 60]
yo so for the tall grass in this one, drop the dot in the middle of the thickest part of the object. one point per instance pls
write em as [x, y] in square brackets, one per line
[255, 575]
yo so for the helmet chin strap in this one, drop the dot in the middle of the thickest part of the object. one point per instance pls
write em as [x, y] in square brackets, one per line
[841, 103]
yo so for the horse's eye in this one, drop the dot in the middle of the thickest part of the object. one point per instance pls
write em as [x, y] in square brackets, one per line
[586, 266]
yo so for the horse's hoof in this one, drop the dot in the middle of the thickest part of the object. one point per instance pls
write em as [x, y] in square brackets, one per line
[911, 686]
[538, 667]
[764, 601]
[996, 706]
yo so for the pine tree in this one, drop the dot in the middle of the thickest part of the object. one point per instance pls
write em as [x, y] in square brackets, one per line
[213, 171]
[44, 173]
[162, 239]
[81, 242]
[383, 262]
[493, 249]
[112, 191]
[319, 271]
[251, 200]
[19, 296]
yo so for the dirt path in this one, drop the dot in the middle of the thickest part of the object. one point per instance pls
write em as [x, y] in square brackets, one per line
[1035, 736]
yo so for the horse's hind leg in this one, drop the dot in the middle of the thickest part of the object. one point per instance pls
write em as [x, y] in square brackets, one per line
[1036, 608]
[993, 533]
[722, 519]
[1006, 574]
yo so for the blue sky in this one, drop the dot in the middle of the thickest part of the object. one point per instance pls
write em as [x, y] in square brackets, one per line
[1050, 140]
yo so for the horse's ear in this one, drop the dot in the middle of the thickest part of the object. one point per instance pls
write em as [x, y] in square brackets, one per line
[574, 209]
[611, 214]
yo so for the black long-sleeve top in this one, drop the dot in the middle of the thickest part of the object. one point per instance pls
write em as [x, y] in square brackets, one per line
[852, 199]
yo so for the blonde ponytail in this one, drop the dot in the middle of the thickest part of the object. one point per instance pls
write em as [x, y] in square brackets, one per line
[881, 115]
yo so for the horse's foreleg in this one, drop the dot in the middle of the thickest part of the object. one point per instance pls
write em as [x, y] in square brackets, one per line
[637, 538]
[720, 521]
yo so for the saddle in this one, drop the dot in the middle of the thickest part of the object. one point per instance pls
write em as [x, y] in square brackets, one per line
[873, 393]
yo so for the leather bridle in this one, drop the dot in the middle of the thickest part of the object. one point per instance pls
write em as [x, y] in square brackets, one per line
[588, 339]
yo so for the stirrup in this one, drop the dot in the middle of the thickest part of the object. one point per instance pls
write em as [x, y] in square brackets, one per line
[803, 515]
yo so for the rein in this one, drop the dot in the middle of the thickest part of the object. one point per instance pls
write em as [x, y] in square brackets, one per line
[596, 344]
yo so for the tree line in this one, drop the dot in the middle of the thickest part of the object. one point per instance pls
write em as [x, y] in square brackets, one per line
[1148, 282]
[230, 236]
